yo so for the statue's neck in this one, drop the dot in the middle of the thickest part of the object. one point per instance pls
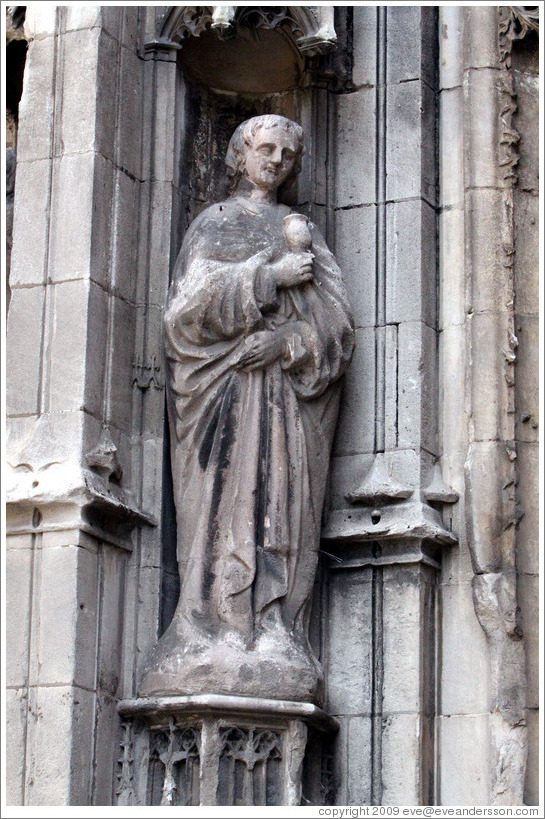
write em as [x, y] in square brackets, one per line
[249, 190]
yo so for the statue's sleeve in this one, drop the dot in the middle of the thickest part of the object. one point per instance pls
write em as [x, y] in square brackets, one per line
[321, 343]
[215, 299]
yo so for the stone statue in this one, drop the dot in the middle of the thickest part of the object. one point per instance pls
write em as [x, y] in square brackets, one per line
[258, 335]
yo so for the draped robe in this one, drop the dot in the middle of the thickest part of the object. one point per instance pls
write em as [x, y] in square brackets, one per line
[250, 449]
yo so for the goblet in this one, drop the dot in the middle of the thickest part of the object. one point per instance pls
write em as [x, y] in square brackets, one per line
[296, 232]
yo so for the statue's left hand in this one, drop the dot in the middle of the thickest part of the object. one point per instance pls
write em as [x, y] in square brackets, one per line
[261, 349]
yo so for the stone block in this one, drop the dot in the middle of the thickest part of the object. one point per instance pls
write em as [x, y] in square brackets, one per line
[456, 563]
[356, 426]
[410, 142]
[82, 17]
[106, 751]
[465, 673]
[491, 288]
[109, 97]
[34, 135]
[355, 252]
[67, 370]
[411, 44]
[346, 472]
[417, 410]
[482, 129]
[19, 571]
[40, 21]
[404, 634]
[452, 261]
[49, 744]
[359, 767]
[152, 474]
[81, 760]
[527, 378]
[355, 149]
[453, 400]
[78, 119]
[16, 718]
[129, 148]
[340, 761]
[528, 598]
[401, 759]
[71, 227]
[451, 148]
[111, 620]
[157, 266]
[24, 344]
[105, 219]
[67, 623]
[527, 91]
[364, 45]
[124, 252]
[451, 24]
[527, 252]
[349, 663]
[121, 364]
[411, 263]
[533, 769]
[481, 24]
[492, 360]
[30, 224]
[127, 19]
[528, 496]
[463, 748]
[165, 133]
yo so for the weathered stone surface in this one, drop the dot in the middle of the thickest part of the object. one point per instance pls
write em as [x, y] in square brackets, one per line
[364, 46]
[464, 668]
[410, 141]
[464, 776]
[400, 752]
[526, 378]
[527, 252]
[483, 128]
[356, 429]
[34, 139]
[528, 526]
[411, 58]
[355, 149]
[355, 252]
[349, 669]
[24, 364]
[410, 252]
[18, 563]
[528, 598]
[16, 716]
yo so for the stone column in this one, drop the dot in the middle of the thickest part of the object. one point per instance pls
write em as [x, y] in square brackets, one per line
[482, 676]
[384, 532]
[74, 493]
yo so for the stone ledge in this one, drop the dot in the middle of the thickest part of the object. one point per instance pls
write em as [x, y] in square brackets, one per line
[154, 709]
[398, 521]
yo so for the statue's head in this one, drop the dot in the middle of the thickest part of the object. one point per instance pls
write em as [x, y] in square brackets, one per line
[267, 150]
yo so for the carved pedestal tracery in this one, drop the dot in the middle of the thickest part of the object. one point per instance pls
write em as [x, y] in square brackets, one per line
[213, 750]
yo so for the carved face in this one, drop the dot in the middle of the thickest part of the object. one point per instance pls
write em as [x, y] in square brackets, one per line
[270, 157]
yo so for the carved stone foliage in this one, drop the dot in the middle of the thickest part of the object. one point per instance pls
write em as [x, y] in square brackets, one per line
[310, 27]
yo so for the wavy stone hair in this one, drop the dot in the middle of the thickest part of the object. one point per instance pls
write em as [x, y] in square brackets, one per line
[243, 136]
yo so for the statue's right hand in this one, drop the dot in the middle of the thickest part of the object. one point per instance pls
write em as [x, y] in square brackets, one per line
[293, 268]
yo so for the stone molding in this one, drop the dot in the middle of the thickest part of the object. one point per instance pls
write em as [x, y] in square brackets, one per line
[311, 27]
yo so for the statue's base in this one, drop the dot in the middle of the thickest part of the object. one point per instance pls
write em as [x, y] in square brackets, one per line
[212, 749]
